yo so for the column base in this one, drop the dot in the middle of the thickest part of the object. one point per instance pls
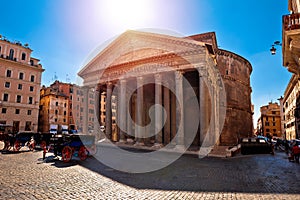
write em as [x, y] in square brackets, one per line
[121, 141]
[157, 145]
[180, 148]
[139, 144]
[130, 141]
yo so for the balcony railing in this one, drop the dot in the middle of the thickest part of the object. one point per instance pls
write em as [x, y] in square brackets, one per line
[291, 22]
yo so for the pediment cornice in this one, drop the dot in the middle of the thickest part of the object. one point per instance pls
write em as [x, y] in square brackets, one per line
[132, 42]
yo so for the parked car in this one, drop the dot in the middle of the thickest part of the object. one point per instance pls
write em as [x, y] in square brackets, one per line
[256, 145]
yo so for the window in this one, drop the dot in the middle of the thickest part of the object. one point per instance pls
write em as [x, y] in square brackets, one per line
[32, 78]
[17, 111]
[267, 130]
[65, 105]
[28, 112]
[7, 84]
[8, 73]
[4, 110]
[56, 112]
[23, 56]
[30, 100]
[65, 112]
[20, 86]
[31, 88]
[19, 98]
[5, 97]
[11, 54]
[21, 75]
[267, 124]
[56, 103]
[55, 119]
[31, 62]
[28, 126]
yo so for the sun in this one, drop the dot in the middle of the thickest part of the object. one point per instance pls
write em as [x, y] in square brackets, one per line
[127, 14]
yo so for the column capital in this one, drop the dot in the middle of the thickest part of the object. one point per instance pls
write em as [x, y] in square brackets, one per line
[157, 76]
[122, 81]
[202, 71]
[178, 74]
[139, 80]
[109, 84]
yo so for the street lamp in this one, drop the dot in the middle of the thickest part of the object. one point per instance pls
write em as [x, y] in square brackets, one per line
[273, 49]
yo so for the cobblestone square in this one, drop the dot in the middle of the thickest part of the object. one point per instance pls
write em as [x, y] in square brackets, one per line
[25, 175]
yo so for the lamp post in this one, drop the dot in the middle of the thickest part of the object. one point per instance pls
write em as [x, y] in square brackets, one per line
[273, 49]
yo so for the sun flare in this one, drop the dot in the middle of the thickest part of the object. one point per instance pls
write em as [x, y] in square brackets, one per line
[127, 14]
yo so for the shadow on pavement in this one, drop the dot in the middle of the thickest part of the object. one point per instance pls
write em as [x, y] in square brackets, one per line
[14, 152]
[246, 174]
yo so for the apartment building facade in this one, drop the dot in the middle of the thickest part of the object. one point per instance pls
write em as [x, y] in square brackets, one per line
[62, 104]
[269, 123]
[20, 78]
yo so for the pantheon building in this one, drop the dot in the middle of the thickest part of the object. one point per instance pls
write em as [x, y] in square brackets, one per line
[170, 90]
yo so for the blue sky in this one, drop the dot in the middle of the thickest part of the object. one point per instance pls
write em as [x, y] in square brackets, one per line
[62, 33]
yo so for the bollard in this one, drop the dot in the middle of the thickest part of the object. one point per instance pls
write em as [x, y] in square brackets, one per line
[44, 152]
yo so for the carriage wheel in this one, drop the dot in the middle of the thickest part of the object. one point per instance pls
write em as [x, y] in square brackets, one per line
[83, 153]
[43, 144]
[92, 150]
[17, 146]
[6, 145]
[66, 154]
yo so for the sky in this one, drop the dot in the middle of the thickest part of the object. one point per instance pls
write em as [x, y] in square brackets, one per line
[63, 33]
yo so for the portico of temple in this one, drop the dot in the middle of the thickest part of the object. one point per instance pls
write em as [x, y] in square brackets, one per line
[180, 91]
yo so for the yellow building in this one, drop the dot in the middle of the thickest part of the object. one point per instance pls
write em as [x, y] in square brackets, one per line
[20, 80]
[269, 123]
[53, 109]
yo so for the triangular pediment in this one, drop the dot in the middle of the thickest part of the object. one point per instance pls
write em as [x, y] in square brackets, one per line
[136, 45]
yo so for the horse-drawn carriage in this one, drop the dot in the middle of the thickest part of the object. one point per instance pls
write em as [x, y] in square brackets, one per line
[69, 145]
[15, 141]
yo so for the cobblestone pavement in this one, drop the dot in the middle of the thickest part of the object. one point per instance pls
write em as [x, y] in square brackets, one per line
[24, 175]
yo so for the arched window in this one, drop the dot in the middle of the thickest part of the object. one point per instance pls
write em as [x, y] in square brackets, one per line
[11, 54]
[23, 56]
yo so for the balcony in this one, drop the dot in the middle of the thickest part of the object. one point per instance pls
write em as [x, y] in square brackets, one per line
[291, 42]
[291, 22]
